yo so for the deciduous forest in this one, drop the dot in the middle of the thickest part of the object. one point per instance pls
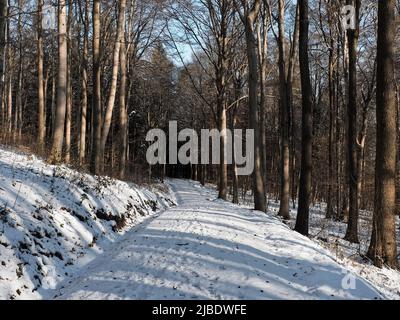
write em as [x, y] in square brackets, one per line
[82, 82]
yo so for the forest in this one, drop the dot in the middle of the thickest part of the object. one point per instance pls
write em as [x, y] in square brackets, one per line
[318, 82]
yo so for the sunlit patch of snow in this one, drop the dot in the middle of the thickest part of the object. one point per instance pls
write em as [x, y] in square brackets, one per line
[54, 220]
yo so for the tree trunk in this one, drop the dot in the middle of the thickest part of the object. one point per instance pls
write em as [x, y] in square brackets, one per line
[203, 178]
[18, 98]
[284, 112]
[291, 71]
[302, 223]
[123, 114]
[352, 229]
[96, 109]
[223, 167]
[68, 119]
[235, 182]
[3, 25]
[53, 101]
[338, 136]
[114, 80]
[262, 39]
[9, 100]
[383, 248]
[58, 137]
[258, 182]
[41, 95]
[82, 135]
[9, 78]
[332, 96]
[329, 208]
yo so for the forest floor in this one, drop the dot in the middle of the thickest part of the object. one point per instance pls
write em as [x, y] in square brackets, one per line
[210, 249]
[54, 220]
[330, 235]
[69, 235]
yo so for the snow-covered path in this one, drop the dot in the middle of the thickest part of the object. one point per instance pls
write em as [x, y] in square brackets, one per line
[209, 249]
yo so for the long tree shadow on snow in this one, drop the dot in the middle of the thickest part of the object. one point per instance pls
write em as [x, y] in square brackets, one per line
[185, 265]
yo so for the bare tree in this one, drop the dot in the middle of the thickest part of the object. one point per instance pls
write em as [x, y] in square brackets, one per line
[302, 223]
[249, 13]
[114, 78]
[41, 95]
[353, 35]
[285, 116]
[3, 25]
[97, 110]
[58, 136]
[123, 113]
[383, 248]
[263, 26]
[85, 66]
[68, 115]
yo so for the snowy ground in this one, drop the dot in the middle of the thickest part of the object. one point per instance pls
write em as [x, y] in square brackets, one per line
[330, 234]
[54, 220]
[69, 235]
[209, 249]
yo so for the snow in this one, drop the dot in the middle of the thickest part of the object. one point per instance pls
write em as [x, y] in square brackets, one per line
[69, 235]
[54, 220]
[210, 249]
[330, 235]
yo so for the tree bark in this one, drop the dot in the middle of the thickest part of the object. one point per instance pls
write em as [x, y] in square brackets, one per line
[234, 118]
[223, 167]
[284, 112]
[291, 71]
[352, 109]
[19, 93]
[332, 97]
[9, 97]
[262, 39]
[113, 90]
[383, 248]
[302, 222]
[123, 113]
[96, 108]
[41, 95]
[83, 129]
[58, 137]
[9, 78]
[258, 182]
[3, 25]
[68, 119]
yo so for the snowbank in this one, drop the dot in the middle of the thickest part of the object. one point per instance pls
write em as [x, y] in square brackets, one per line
[53, 220]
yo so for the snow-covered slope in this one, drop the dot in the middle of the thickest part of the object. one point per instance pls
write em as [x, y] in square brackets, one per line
[330, 234]
[53, 220]
[210, 249]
